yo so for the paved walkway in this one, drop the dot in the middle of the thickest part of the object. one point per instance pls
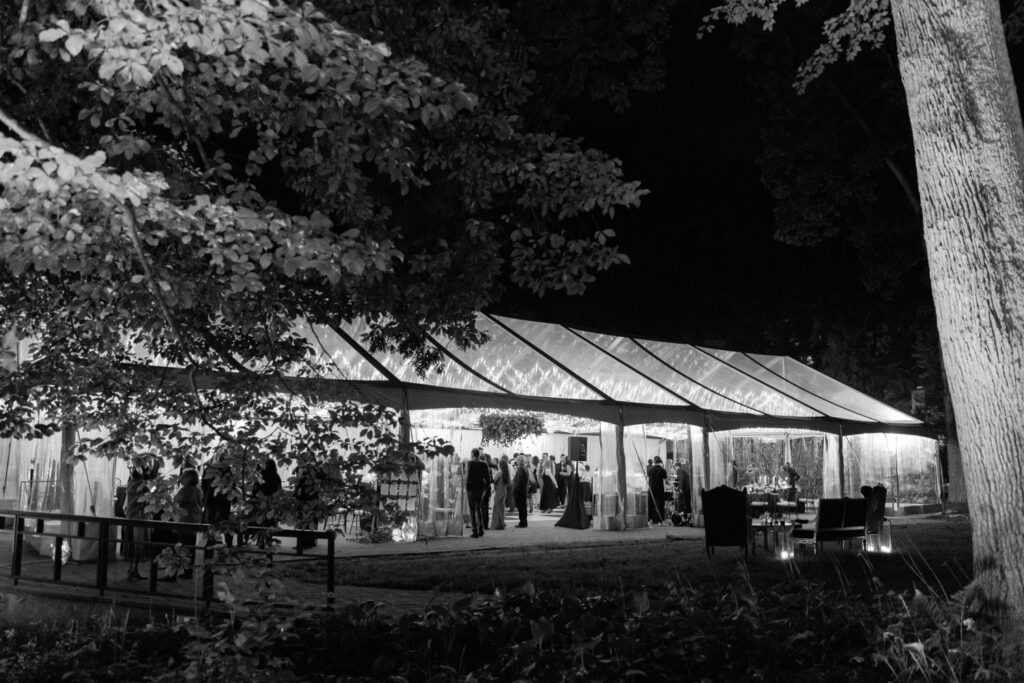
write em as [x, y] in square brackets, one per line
[541, 531]
[78, 580]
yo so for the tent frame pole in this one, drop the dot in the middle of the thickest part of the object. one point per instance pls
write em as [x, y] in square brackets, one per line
[842, 465]
[697, 500]
[620, 466]
[707, 452]
[404, 420]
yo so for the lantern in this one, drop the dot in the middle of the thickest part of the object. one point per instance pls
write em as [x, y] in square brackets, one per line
[784, 542]
[65, 551]
[411, 530]
[408, 532]
[885, 538]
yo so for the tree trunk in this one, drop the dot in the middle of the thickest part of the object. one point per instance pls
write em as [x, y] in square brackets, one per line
[969, 148]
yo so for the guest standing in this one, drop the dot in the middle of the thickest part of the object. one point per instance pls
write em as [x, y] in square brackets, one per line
[190, 498]
[656, 477]
[485, 505]
[478, 480]
[548, 485]
[269, 485]
[520, 489]
[501, 482]
[216, 487]
[510, 502]
[792, 477]
[534, 482]
[563, 476]
[683, 506]
[307, 495]
[587, 485]
[263, 494]
[138, 536]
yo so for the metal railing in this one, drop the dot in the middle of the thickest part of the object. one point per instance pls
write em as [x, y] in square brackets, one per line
[27, 523]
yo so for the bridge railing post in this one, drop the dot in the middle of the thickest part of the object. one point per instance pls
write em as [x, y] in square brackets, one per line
[58, 556]
[330, 569]
[104, 556]
[19, 547]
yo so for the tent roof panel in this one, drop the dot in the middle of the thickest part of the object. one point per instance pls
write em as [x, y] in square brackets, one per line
[549, 367]
[518, 368]
[613, 378]
[537, 365]
[759, 373]
[334, 357]
[710, 371]
[643, 361]
[448, 374]
[821, 384]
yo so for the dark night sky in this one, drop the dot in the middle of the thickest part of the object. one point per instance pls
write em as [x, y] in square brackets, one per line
[705, 267]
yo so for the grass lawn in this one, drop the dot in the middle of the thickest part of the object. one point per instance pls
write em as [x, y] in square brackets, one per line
[933, 551]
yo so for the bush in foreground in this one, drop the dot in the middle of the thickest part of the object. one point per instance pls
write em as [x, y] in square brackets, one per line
[794, 631]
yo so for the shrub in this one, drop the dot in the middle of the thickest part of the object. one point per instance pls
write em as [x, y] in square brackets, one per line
[795, 630]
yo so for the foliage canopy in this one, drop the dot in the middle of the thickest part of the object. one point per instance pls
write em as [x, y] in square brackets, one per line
[184, 180]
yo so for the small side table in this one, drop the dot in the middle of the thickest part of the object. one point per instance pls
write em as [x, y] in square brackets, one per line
[777, 530]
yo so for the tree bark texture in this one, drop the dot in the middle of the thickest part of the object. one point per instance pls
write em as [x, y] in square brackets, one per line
[969, 148]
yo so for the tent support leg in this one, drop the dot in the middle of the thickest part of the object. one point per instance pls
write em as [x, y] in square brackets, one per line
[842, 465]
[67, 478]
[404, 421]
[706, 447]
[620, 466]
[698, 502]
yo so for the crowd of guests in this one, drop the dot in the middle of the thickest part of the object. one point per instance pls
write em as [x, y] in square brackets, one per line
[518, 484]
[668, 494]
[495, 486]
[521, 483]
[206, 499]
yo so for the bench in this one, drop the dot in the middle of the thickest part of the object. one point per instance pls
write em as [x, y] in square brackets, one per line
[839, 519]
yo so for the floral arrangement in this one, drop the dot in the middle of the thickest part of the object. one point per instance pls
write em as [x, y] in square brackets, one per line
[504, 429]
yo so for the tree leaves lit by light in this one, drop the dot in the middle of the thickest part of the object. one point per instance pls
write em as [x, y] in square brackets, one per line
[863, 24]
[181, 181]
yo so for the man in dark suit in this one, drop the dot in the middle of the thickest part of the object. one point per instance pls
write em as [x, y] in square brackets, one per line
[656, 477]
[520, 489]
[478, 482]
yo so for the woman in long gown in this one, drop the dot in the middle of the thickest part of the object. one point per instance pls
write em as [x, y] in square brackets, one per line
[190, 498]
[135, 508]
[501, 483]
[548, 486]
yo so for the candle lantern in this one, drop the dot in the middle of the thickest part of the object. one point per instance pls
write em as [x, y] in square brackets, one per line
[784, 545]
[410, 530]
[885, 538]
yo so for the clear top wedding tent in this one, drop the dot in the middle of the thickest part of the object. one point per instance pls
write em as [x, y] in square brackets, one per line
[727, 416]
